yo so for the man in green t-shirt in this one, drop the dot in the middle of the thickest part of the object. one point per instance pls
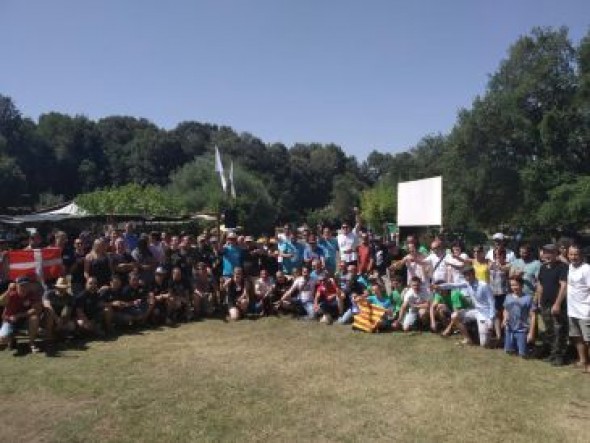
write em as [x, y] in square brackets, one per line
[445, 307]
[395, 296]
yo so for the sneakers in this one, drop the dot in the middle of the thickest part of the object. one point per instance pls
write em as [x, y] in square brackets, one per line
[326, 319]
[557, 361]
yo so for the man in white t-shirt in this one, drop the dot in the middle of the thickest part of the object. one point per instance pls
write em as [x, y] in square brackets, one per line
[415, 307]
[578, 304]
[437, 262]
[347, 244]
[304, 287]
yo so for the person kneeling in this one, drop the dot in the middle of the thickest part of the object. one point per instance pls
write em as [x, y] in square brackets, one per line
[58, 304]
[327, 303]
[22, 309]
[415, 308]
[93, 316]
[238, 291]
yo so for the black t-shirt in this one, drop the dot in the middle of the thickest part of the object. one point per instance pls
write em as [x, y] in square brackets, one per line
[77, 268]
[159, 288]
[68, 256]
[119, 259]
[89, 302]
[279, 289]
[108, 295]
[130, 294]
[250, 261]
[382, 258]
[549, 276]
[179, 287]
[57, 301]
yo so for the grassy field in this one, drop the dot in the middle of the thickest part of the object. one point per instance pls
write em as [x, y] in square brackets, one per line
[284, 380]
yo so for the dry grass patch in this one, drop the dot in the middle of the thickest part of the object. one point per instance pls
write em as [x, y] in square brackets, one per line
[34, 416]
[278, 379]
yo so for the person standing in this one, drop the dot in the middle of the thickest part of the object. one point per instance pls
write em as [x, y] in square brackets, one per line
[550, 297]
[347, 244]
[578, 305]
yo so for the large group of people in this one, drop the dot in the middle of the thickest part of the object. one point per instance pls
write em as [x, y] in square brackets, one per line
[495, 298]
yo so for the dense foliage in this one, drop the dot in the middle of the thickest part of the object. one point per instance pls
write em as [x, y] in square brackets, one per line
[520, 155]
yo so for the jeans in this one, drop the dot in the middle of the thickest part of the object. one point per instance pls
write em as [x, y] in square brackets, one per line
[346, 317]
[307, 306]
[515, 340]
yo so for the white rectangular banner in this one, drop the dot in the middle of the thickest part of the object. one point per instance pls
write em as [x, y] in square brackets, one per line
[419, 202]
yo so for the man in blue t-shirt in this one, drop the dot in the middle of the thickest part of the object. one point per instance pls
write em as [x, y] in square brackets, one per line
[231, 254]
[288, 252]
[329, 246]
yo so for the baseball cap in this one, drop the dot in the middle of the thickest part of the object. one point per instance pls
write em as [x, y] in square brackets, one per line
[23, 280]
[498, 236]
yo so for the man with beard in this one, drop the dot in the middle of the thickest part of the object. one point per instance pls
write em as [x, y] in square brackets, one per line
[550, 296]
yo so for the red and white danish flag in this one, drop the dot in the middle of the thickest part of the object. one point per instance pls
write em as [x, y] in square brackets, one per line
[43, 263]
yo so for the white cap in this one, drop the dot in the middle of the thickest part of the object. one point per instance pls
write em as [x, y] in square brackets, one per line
[498, 236]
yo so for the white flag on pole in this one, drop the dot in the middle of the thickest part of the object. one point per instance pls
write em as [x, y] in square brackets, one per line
[231, 180]
[219, 169]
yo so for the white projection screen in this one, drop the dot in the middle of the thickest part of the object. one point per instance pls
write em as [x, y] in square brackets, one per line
[419, 202]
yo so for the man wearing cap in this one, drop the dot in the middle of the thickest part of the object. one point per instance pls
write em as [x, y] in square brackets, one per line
[58, 307]
[500, 241]
[550, 296]
[23, 309]
[578, 305]
[483, 311]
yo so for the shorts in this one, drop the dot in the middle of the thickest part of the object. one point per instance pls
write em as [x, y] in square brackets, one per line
[499, 302]
[580, 327]
[410, 318]
[329, 307]
[483, 324]
[8, 329]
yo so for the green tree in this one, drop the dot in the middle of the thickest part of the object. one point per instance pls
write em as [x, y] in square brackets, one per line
[379, 205]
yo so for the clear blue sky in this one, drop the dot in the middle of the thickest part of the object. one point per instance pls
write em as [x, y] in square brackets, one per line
[363, 74]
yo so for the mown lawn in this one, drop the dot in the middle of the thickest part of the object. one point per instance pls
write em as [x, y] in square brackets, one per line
[285, 380]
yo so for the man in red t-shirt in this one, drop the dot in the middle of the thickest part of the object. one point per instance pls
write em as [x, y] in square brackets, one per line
[365, 255]
[327, 302]
[23, 308]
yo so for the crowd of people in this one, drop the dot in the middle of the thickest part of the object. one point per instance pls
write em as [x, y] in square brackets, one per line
[494, 297]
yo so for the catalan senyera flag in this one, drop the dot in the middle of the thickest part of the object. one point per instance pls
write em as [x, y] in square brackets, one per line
[369, 317]
[44, 264]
